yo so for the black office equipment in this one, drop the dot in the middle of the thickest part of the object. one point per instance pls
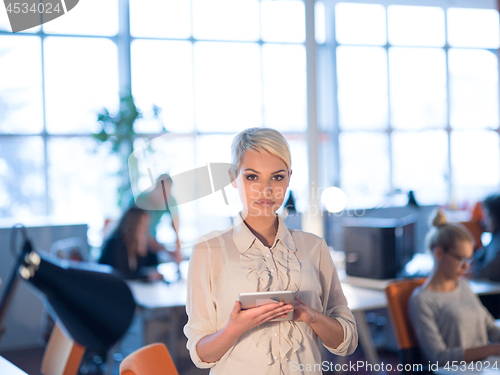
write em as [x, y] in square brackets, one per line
[378, 248]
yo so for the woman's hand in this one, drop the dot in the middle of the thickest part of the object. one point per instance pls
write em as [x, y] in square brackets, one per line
[212, 347]
[328, 329]
[241, 321]
[303, 313]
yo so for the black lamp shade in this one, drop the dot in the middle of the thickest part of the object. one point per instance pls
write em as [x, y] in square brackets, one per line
[94, 305]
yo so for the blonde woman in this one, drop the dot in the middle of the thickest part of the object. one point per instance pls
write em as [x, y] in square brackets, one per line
[259, 253]
[449, 320]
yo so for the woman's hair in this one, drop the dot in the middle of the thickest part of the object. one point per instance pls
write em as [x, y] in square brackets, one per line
[446, 234]
[492, 205]
[259, 140]
[127, 228]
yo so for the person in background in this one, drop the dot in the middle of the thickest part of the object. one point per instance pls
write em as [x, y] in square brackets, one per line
[158, 200]
[486, 262]
[126, 250]
[259, 253]
[448, 319]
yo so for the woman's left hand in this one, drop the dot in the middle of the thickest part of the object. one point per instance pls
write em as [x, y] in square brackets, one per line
[303, 313]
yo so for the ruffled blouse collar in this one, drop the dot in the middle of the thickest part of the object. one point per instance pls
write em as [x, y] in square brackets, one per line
[243, 238]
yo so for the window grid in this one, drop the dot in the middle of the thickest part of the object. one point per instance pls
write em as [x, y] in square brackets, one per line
[337, 131]
[124, 40]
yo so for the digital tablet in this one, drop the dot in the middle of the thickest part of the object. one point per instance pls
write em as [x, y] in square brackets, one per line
[249, 300]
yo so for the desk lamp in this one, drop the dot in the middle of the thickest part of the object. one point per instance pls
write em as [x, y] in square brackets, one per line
[95, 306]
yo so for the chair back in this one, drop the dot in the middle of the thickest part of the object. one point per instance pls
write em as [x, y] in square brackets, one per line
[153, 359]
[398, 296]
[62, 355]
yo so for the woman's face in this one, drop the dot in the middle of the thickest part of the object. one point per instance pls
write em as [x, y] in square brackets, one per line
[456, 261]
[262, 182]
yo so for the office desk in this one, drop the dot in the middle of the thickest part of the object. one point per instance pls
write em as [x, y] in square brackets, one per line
[159, 301]
[483, 288]
[166, 302]
[8, 368]
[359, 300]
[160, 309]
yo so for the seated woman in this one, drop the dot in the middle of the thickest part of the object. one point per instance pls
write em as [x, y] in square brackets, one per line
[126, 249]
[449, 321]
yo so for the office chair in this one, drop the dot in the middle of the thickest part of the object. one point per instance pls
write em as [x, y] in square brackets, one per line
[62, 355]
[398, 295]
[153, 359]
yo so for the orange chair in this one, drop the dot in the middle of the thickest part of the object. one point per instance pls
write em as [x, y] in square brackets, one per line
[62, 355]
[153, 359]
[398, 296]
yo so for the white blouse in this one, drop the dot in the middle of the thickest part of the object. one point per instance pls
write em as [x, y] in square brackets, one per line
[226, 263]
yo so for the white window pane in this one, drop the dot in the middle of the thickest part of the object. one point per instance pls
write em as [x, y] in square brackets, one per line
[4, 19]
[22, 183]
[88, 17]
[405, 26]
[473, 88]
[160, 18]
[20, 84]
[82, 186]
[284, 80]
[420, 163]
[362, 87]
[299, 182]
[226, 19]
[283, 21]
[360, 24]
[319, 22]
[162, 76]
[227, 86]
[216, 149]
[475, 158]
[364, 169]
[5, 24]
[473, 28]
[81, 78]
[417, 87]
[173, 154]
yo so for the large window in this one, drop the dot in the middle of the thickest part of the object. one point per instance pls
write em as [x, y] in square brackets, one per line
[212, 67]
[407, 99]
[417, 99]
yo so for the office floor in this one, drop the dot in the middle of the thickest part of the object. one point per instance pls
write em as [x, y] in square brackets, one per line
[30, 359]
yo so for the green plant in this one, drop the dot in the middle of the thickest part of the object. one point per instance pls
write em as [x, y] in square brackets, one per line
[118, 131]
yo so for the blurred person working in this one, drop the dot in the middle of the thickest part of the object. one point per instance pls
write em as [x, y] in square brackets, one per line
[449, 320]
[486, 263]
[158, 200]
[126, 250]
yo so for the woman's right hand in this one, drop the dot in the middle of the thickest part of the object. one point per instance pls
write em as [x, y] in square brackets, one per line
[241, 321]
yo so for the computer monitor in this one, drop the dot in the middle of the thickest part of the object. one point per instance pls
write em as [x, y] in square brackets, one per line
[378, 248]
